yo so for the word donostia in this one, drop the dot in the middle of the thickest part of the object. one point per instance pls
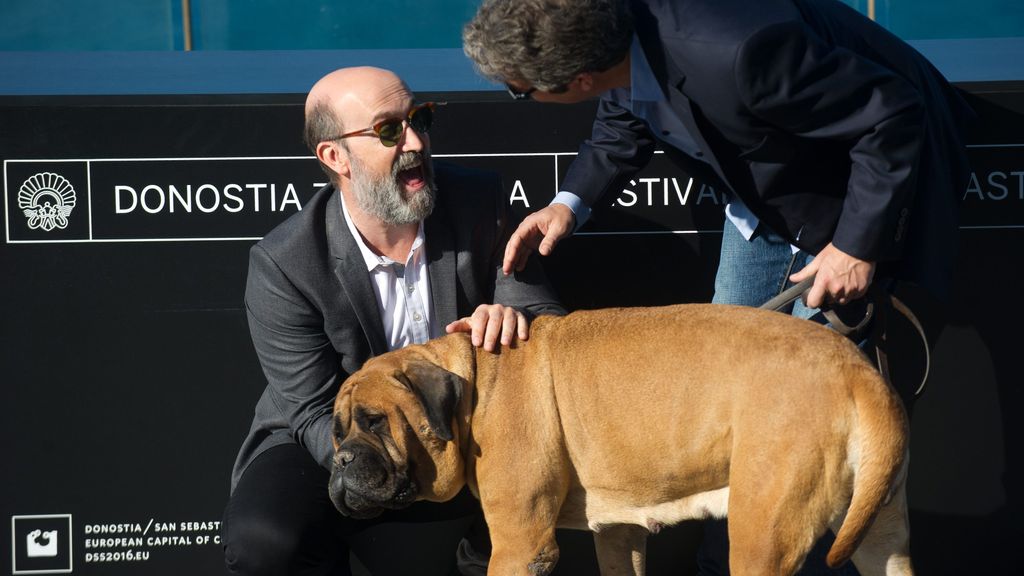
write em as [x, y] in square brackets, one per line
[206, 198]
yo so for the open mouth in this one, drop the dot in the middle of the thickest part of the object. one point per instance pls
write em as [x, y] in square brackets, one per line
[411, 171]
[412, 177]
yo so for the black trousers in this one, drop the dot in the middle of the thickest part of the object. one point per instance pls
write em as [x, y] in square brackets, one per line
[280, 521]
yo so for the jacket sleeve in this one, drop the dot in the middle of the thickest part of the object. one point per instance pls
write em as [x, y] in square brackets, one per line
[790, 78]
[297, 357]
[619, 145]
[528, 290]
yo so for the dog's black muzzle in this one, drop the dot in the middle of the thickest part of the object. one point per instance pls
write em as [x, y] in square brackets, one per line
[364, 482]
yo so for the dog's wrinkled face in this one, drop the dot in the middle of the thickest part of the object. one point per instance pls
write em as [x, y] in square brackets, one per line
[394, 440]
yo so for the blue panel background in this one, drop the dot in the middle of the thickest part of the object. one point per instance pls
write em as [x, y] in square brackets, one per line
[354, 24]
[920, 19]
[80, 25]
[318, 25]
[74, 47]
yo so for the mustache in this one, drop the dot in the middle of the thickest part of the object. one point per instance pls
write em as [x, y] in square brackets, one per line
[407, 160]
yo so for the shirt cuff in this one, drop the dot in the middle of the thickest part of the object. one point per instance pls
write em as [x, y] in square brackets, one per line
[574, 203]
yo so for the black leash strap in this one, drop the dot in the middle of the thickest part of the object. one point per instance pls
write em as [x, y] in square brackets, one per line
[789, 295]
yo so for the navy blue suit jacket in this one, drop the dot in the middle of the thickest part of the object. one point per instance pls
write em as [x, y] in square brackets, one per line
[827, 126]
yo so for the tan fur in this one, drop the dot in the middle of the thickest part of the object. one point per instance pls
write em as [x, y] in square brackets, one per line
[624, 419]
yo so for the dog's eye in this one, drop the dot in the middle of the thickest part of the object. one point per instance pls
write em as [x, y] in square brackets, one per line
[377, 423]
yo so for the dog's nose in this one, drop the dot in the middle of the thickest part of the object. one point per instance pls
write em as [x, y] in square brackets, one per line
[345, 457]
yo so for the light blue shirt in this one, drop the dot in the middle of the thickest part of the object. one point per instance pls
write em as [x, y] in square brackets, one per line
[645, 99]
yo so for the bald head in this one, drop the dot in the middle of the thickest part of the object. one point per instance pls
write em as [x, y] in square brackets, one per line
[350, 93]
[347, 97]
[359, 86]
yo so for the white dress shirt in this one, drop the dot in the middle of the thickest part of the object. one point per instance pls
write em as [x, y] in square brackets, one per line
[402, 290]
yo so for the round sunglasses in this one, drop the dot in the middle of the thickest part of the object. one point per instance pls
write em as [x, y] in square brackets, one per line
[391, 130]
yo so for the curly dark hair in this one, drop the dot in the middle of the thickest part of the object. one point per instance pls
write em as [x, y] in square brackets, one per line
[547, 43]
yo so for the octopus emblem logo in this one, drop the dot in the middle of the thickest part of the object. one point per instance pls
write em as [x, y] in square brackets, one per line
[47, 200]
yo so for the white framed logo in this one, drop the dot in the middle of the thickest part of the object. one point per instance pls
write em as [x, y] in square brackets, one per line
[41, 544]
[46, 199]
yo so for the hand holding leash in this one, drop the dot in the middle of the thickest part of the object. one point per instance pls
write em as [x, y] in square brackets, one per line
[841, 277]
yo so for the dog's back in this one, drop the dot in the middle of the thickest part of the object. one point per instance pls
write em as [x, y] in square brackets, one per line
[695, 410]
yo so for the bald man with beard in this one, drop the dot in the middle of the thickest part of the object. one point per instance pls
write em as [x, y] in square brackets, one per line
[394, 251]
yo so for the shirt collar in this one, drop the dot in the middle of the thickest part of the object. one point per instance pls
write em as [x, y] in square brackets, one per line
[373, 260]
[644, 86]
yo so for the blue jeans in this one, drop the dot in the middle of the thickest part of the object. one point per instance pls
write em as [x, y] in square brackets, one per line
[750, 273]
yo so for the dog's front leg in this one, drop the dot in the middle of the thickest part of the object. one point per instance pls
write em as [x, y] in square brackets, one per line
[521, 512]
[621, 550]
[513, 557]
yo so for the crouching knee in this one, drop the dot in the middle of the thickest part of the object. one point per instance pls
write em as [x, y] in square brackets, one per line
[260, 549]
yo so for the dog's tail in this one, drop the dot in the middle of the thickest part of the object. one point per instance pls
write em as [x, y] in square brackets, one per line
[881, 441]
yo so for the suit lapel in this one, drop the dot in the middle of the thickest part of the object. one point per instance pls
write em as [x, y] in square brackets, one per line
[350, 269]
[441, 264]
[672, 79]
[684, 107]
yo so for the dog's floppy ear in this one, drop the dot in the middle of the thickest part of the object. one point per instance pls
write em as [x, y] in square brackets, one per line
[341, 415]
[438, 390]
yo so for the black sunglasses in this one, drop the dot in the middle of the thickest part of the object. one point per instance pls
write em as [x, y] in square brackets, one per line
[391, 130]
[516, 94]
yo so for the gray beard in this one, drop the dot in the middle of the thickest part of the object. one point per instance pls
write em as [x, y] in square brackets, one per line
[382, 197]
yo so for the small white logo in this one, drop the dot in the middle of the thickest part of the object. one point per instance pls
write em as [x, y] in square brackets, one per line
[47, 200]
[41, 544]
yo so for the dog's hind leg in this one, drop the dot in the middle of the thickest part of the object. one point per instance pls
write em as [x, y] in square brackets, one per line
[775, 543]
[777, 510]
[621, 550]
[885, 550]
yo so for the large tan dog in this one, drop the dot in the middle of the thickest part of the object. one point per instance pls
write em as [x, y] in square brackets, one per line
[622, 421]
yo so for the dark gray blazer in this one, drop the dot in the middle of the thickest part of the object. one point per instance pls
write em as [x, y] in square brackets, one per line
[827, 126]
[314, 319]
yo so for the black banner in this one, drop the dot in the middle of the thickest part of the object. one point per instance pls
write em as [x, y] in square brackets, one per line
[129, 378]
